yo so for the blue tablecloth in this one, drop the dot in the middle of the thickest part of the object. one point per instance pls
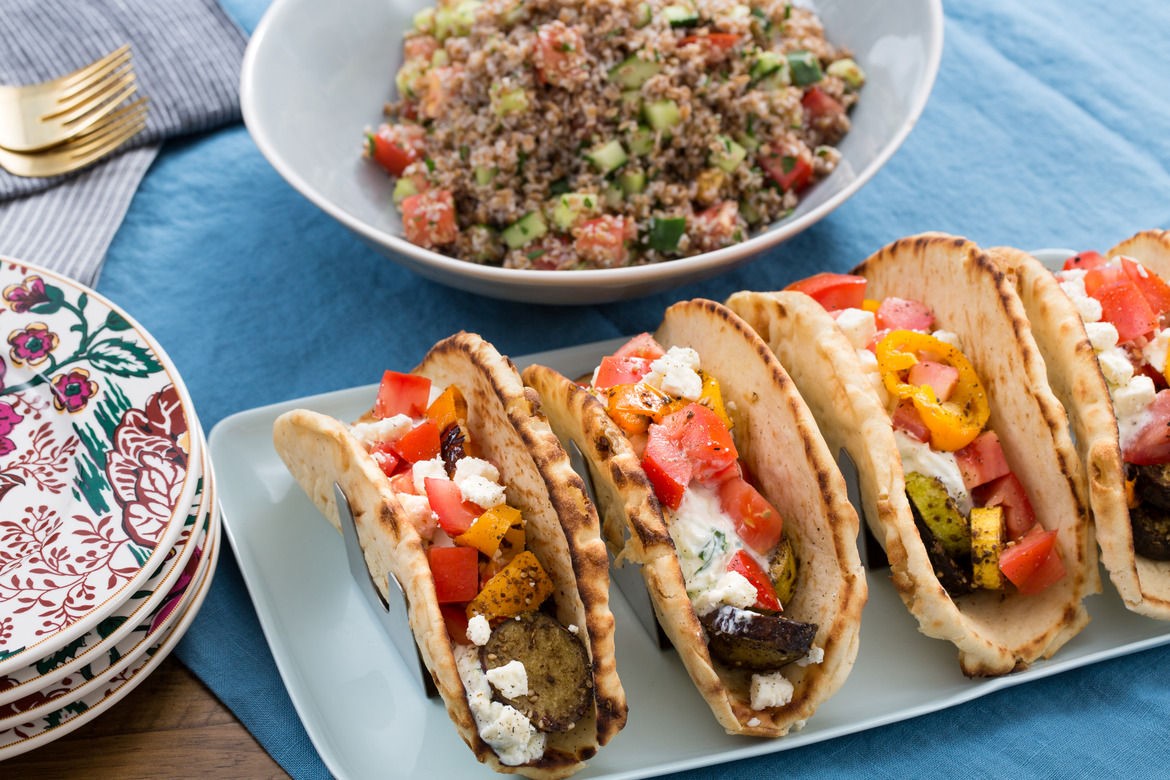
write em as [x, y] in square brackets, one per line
[1049, 125]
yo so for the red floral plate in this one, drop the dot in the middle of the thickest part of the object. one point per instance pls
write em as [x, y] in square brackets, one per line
[100, 456]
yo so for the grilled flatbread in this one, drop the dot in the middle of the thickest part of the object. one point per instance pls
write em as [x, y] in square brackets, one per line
[561, 526]
[994, 633]
[777, 441]
[1142, 583]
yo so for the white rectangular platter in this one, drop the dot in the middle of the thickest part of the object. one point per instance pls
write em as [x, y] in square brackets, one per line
[368, 718]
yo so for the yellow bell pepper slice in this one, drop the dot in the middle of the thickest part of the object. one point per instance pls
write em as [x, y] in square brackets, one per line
[954, 423]
[489, 529]
[521, 586]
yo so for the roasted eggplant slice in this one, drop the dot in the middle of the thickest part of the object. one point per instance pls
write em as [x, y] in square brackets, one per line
[559, 679]
[756, 641]
[1151, 531]
[1152, 484]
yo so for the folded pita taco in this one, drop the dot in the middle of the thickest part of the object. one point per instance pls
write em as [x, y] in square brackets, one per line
[711, 475]
[1101, 323]
[921, 367]
[461, 491]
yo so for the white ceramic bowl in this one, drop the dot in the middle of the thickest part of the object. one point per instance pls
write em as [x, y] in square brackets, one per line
[316, 75]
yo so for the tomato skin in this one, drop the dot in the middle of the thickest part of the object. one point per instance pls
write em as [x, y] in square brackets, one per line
[403, 482]
[757, 522]
[744, 564]
[641, 346]
[385, 457]
[833, 291]
[903, 314]
[666, 467]
[1019, 561]
[1123, 304]
[1049, 572]
[1151, 445]
[705, 441]
[419, 443]
[616, 370]
[395, 147]
[1007, 491]
[1152, 287]
[786, 165]
[402, 394]
[716, 46]
[940, 377]
[455, 514]
[1084, 261]
[716, 226]
[819, 103]
[455, 619]
[559, 51]
[907, 420]
[602, 241]
[982, 460]
[428, 218]
[455, 571]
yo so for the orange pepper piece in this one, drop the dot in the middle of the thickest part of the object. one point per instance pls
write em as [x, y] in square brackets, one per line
[521, 586]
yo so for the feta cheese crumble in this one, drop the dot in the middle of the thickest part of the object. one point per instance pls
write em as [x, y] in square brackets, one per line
[419, 472]
[677, 373]
[478, 630]
[770, 690]
[376, 431]
[503, 727]
[511, 679]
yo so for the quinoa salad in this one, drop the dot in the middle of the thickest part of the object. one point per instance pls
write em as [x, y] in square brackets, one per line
[576, 134]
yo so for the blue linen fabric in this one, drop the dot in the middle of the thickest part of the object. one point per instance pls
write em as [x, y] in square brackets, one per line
[1049, 125]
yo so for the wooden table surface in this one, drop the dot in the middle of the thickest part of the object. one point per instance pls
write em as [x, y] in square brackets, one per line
[170, 726]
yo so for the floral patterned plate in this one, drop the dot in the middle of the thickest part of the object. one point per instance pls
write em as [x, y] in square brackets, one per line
[46, 728]
[99, 460]
[79, 683]
[149, 600]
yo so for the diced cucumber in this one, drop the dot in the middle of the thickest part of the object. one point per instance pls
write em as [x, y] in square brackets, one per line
[662, 114]
[528, 228]
[632, 102]
[633, 72]
[424, 20]
[767, 62]
[485, 244]
[607, 157]
[665, 232]
[681, 16]
[642, 15]
[729, 155]
[805, 68]
[571, 207]
[508, 100]
[632, 181]
[749, 213]
[613, 197]
[440, 58]
[848, 71]
[641, 141]
[484, 175]
[748, 141]
[403, 189]
[445, 22]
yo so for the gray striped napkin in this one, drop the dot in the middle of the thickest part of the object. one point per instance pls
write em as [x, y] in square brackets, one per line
[186, 55]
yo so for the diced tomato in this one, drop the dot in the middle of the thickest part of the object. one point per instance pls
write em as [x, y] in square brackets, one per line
[616, 370]
[1151, 445]
[394, 147]
[455, 571]
[602, 242]
[419, 443]
[455, 514]
[428, 218]
[903, 314]
[384, 456]
[746, 565]
[455, 619]
[402, 394]
[1008, 492]
[787, 165]
[941, 377]
[717, 226]
[403, 482]
[1019, 561]
[982, 460]
[643, 346]
[1098, 277]
[833, 291]
[819, 103]
[757, 522]
[1123, 304]
[559, 52]
[716, 46]
[1153, 288]
[907, 419]
[666, 466]
[1085, 261]
[704, 439]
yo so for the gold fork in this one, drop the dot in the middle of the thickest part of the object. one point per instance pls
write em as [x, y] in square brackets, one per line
[34, 117]
[83, 150]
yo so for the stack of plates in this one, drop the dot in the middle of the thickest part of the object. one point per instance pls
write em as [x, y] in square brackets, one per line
[109, 529]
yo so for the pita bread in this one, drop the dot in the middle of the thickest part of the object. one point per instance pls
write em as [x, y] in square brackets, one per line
[561, 527]
[994, 633]
[771, 423]
[1143, 584]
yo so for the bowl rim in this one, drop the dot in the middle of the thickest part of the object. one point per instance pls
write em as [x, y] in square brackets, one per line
[686, 268]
